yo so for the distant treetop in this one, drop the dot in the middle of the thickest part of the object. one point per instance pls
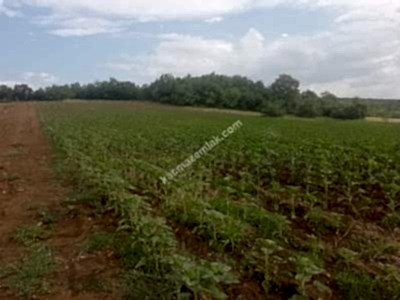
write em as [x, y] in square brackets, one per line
[282, 97]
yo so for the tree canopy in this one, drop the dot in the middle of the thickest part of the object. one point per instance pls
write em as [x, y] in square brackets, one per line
[282, 97]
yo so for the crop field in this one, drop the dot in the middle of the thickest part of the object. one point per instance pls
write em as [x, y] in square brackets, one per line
[279, 209]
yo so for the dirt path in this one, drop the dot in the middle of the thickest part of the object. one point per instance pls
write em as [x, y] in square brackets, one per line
[26, 180]
[27, 184]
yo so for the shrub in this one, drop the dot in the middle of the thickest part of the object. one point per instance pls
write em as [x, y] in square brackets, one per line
[349, 112]
[272, 109]
[307, 109]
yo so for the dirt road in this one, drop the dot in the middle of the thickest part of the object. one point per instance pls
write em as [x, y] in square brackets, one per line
[27, 185]
[26, 180]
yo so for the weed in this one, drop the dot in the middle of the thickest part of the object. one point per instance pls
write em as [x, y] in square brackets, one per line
[26, 277]
[91, 284]
[392, 220]
[98, 241]
[306, 269]
[47, 217]
[30, 234]
[139, 285]
[324, 222]
[360, 285]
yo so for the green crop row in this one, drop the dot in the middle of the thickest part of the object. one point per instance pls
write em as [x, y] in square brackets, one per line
[299, 206]
[151, 248]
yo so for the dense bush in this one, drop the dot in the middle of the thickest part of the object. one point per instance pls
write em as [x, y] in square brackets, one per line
[211, 90]
[349, 112]
[272, 109]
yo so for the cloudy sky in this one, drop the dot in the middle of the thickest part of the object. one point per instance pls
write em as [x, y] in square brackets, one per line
[349, 47]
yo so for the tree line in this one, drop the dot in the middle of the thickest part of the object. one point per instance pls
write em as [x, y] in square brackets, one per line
[280, 98]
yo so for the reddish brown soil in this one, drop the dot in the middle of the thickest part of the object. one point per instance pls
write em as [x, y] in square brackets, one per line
[27, 183]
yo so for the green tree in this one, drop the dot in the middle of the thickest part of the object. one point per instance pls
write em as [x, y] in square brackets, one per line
[309, 105]
[285, 90]
[5, 93]
[22, 92]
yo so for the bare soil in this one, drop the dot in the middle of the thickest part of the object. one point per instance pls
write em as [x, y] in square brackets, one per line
[28, 183]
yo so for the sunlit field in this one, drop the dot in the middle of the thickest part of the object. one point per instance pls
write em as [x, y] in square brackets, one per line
[283, 208]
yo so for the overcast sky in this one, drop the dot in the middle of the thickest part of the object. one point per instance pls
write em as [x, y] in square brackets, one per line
[349, 47]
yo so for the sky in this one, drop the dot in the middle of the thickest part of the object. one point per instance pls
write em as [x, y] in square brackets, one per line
[348, 47]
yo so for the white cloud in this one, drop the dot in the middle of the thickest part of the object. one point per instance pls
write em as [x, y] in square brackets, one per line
[9, 83]
[86, 17]
[189, 9]
[358, 56]
[80, 26]
[144, 9]
[178, 54]
[214, 20]
[34, 79]
[251, 55]
[7, 11]
[356, 59]
[38, 79]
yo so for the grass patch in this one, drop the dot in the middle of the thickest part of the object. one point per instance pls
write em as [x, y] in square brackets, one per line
[360, 285]
[138, 285]
[98, 241]
[91, 284]
[27, 276]
[30, 234]
[392, 220]
[47, 216]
